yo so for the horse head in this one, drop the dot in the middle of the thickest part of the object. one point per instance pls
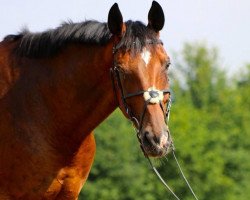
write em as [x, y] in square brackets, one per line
[140, 72]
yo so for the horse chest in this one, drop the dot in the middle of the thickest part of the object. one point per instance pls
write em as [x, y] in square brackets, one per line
[34, 171]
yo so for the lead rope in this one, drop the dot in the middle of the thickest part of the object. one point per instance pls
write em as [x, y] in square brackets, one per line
[176, 160]
[161, 179]
[183, 175]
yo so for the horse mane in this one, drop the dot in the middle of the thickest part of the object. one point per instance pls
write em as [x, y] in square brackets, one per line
[48, 43]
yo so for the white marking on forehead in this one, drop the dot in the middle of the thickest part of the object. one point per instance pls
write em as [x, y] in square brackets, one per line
[146, 55]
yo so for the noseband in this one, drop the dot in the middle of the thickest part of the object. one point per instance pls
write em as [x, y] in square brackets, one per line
[151, 96]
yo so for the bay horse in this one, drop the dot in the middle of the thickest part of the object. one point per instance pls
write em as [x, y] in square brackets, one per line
[55, 88]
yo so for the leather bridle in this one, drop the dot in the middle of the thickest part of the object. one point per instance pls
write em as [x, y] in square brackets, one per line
[117, 87]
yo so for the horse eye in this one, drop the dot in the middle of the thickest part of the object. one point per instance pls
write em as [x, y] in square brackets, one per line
[167, 65]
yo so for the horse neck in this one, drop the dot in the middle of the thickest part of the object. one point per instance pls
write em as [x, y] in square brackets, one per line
[78, 89]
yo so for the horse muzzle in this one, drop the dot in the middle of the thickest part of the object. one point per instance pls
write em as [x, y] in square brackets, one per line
[156, 145]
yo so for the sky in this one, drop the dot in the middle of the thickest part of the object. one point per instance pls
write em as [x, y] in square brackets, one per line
[224, 24]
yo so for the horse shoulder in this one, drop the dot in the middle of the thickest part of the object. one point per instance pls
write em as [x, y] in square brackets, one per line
[70, 179]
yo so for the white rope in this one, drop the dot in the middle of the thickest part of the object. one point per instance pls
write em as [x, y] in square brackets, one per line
[161, 179]
[189, 186]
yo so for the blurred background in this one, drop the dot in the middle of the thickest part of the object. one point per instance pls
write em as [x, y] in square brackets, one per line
[209, 45]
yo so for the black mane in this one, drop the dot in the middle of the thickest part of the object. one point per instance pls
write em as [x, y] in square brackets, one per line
[48, 43]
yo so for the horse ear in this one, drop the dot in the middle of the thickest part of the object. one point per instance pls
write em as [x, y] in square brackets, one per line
[156, 17]
[115, 20]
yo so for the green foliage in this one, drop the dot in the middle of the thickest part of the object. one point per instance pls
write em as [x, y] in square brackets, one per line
[210, 126]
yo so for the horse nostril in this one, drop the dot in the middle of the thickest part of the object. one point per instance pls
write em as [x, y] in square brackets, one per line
[150, 139]
[147, 138]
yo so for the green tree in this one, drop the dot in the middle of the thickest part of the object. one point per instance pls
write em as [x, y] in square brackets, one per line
[209, 124]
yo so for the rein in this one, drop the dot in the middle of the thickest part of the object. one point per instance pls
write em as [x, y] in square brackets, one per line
[137, 123]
